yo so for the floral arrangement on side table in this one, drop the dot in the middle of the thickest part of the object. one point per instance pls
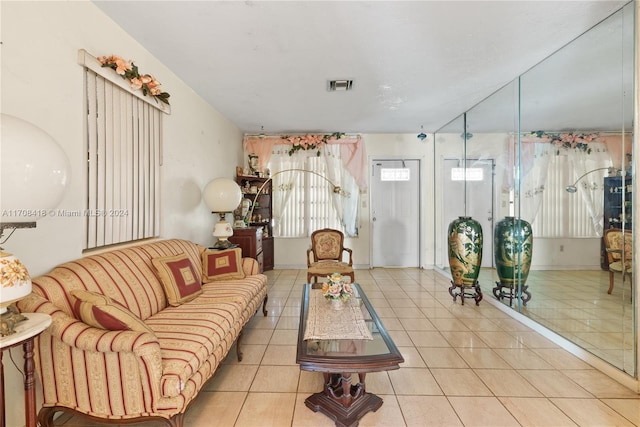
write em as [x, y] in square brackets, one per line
[336, 288]
[129, 71]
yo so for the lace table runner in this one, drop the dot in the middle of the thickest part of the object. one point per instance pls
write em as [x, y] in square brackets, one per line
[326, 323]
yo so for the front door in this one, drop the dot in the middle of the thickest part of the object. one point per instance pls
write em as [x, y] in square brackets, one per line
[395, 213]
[479, 199]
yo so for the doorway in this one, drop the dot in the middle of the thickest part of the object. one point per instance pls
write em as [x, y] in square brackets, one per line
[395, 213]
[479, 199]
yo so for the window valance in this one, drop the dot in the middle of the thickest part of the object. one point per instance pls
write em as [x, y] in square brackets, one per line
[352, 150]
[89, 61]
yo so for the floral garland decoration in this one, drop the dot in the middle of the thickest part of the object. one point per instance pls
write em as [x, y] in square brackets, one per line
[311, 142]
[129, 71]
[576, 141]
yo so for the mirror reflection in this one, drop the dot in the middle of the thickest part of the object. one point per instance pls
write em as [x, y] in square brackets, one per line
[553, 151]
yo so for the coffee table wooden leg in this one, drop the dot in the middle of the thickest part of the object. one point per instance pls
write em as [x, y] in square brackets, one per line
[342, 401]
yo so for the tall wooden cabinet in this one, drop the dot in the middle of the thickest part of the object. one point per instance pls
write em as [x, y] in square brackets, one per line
[261, 218]
[618, 210]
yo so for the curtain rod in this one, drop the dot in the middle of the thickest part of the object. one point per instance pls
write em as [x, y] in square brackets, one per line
[599, 132]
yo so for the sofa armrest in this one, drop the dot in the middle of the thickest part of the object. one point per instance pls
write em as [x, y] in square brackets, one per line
[98, 363]
[250, 266]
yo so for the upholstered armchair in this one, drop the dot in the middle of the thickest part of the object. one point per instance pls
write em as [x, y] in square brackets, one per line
[325, 256]
[619, 254]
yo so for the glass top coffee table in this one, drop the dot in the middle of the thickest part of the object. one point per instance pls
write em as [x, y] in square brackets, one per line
[337, 359]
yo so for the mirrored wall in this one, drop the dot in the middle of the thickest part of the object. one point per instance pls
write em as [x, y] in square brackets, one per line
[551, 152]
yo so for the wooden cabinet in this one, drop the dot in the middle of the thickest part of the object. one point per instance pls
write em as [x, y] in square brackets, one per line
[618, 208]
[258, 191]
[250, 241]
[617, 202]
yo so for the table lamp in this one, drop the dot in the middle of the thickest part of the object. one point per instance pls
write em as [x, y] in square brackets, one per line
[222, 196]
[15, 284]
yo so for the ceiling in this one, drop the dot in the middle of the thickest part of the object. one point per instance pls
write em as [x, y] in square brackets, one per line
[415, 64]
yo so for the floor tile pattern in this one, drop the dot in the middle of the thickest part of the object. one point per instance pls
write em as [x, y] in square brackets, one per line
[464, 366]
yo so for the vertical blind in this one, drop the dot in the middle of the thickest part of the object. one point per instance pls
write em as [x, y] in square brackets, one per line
[124, 137]
[562, 214]
[309, 206]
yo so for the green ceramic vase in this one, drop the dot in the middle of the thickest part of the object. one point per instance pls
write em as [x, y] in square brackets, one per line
[465, 250]
[513, 246]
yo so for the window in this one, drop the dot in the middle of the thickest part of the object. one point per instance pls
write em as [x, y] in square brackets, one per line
[305, 201]
[563, 214]
[123, 141]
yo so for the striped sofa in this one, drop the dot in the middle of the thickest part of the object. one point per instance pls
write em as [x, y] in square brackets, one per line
[124, 376]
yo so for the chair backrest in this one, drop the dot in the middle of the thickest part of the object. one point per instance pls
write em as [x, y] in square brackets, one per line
[326, 244]
[615, 241]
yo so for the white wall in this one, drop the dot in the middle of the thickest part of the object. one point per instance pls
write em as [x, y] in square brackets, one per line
[42, 83]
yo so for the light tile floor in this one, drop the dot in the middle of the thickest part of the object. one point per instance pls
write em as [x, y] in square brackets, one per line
[576, 305]
[464, 366]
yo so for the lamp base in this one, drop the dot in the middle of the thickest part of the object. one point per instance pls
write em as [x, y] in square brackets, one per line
[9, 319]
[223, 244]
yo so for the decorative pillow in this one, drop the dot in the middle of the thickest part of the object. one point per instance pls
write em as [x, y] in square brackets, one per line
[179, 279]
[221, 265]
[102, 312]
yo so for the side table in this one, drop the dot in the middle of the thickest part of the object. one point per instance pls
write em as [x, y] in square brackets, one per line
[25, 334]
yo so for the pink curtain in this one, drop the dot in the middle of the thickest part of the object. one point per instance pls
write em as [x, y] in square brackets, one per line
[352, 149]
[616, 145]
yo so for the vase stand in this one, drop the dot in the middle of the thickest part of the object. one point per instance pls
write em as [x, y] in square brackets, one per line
[464, 291]
[511, 291]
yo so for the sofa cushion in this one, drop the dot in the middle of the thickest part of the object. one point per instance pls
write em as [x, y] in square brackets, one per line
[190, 335]
[179, 278]
[222, 265]
[102, 312]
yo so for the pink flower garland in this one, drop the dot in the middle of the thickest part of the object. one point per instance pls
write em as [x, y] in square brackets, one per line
[129, 71]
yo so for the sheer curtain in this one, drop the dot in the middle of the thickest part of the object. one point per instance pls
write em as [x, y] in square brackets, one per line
[535, 164]
[590, 187]
[346, 205]
[284, 180]
[295, 211]
[548, 165]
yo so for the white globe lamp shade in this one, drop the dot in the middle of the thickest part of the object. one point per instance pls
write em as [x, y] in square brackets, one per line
[222, 195]
[34, 171]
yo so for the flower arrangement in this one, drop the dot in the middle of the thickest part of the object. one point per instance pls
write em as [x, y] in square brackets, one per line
[570, 140]
[12, 271]
[336, 288]
[311, 142]
[129, 71]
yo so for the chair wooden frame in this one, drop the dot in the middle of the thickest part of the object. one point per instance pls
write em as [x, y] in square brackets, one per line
[323, 262]
[619, 259]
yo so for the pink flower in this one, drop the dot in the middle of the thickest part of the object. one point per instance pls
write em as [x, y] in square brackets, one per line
[135, 83]
[122, 66]
[348, 289]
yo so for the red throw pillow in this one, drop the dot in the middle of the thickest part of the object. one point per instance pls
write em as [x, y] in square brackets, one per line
[179, 279]
[221, 265]
[102, 312]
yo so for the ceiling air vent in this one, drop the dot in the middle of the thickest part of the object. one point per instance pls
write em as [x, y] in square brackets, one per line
[339, 85]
